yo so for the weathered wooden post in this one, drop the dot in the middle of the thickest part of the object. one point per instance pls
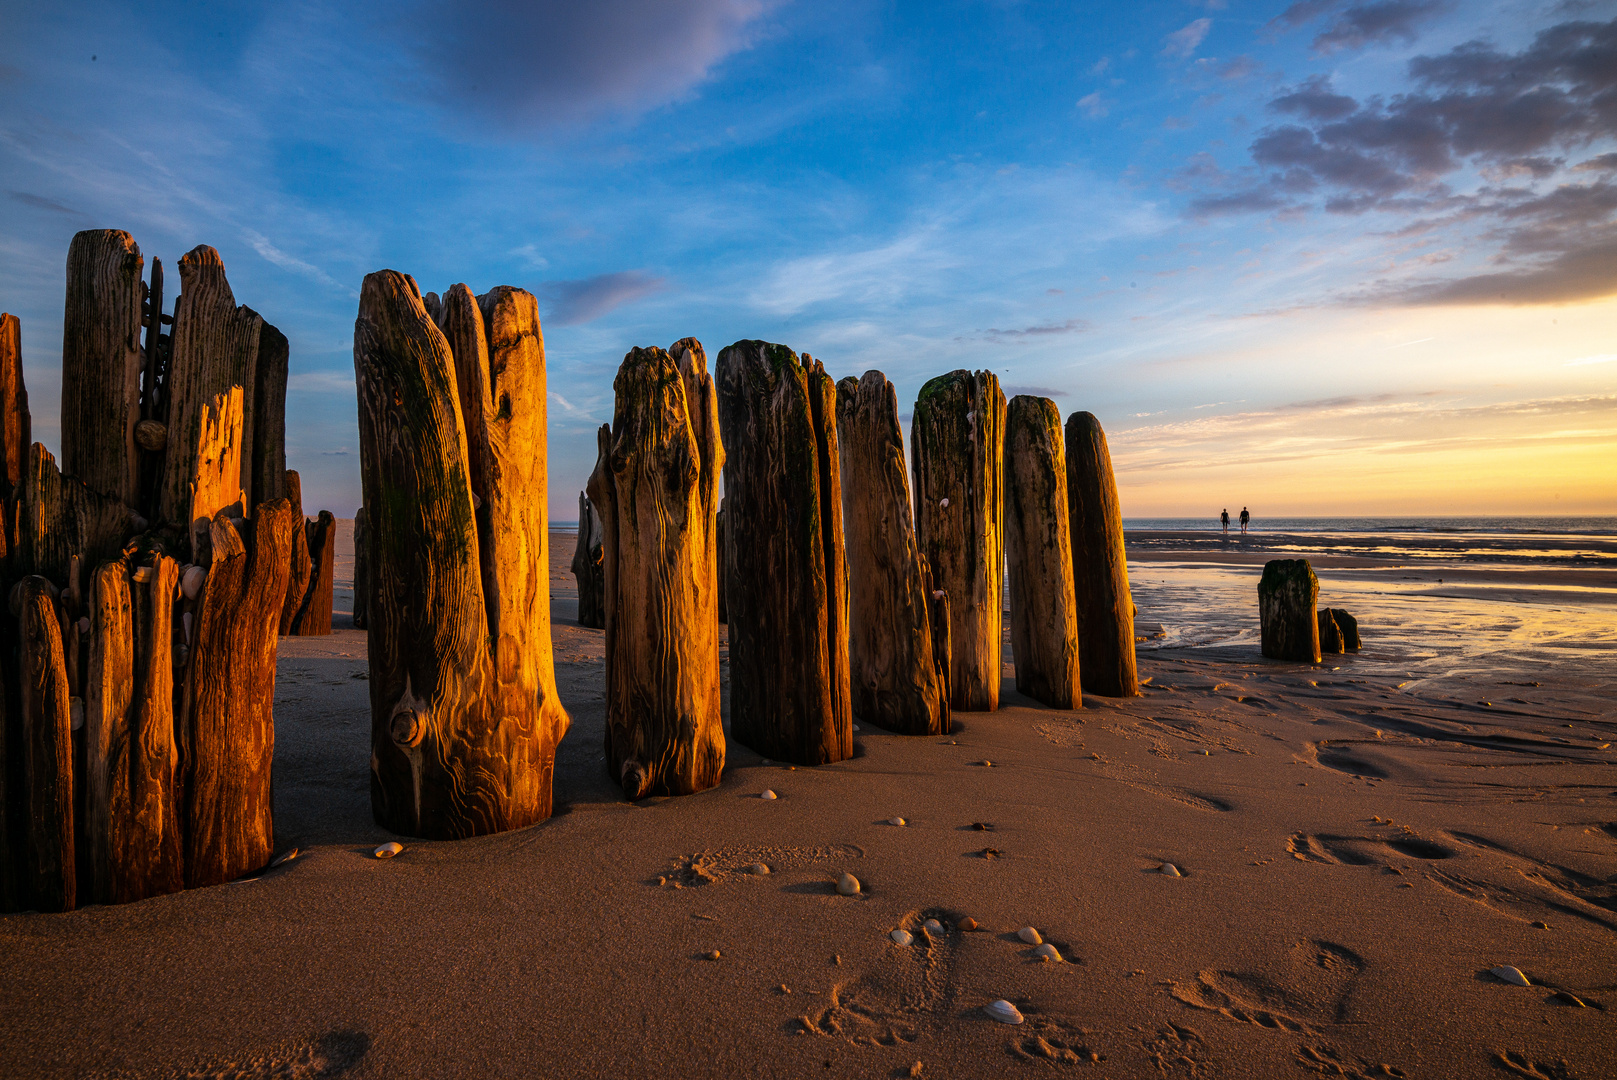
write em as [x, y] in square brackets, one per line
[1330, 635]
[131, 756]
[655, 486]
[1100, 573]
[587, 569]
[957, 439]
[893, 676]
[1038, 555]
[50, 878]
[785, 586]
[1287, 594]
[301, 563]
[101, 363]
[314, 615]
[718, 523]
[227, 720]
[1349, 627]
[362, 570]
[16, 425]
[465, 715]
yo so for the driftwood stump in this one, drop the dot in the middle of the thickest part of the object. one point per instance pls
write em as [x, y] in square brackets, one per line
[1349, 628]
[314, 614]
[587, 569]
[362, 570]
[1287, 594]
[132, 801]
[102, 362]
[893, 675]
[226, 721]
[301, 564]
[50, 878]
[786, 586]
[1330, 634]
[1038, 555]
[465, 716]
[655, 486]
[1100, 573]
[957, 440]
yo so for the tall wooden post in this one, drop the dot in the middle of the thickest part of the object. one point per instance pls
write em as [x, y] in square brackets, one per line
[362, 570]
[894, 679]
[587, 568]
[957, 439]
[465, 716]
[300, 563]
[718, 532]
[101, 363]
[785, 589]
[227, 720]
[314, 614]
[1038, 555]
[655, 485]
[47, 747]
[215, 348]
[266, 461]
[16, 426]
[1100, 573]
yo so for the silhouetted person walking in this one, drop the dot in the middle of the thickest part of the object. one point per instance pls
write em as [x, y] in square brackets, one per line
[1224, 517]
[1245, 519]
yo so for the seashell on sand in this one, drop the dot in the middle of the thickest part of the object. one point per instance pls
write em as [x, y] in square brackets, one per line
[768, 795]
[1171, 870]
[757, 868]
[985, 763]
[1048, 951]
[847, 885]
[1507, 974]
[967, 925]
[1030, 935]
[714, 955]
[388, 850]
[901, 937]
[933, 928]
[283, 858]
[856, 727]
[1568, 999]
[896, 821]
[1003, 1011]
[191, 581]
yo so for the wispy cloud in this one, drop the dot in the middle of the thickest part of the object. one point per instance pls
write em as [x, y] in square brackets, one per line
[1184, 42]
[587, 299]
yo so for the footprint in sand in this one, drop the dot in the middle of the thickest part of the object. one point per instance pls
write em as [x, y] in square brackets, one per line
[910, 992]
[1313, 986]
[1362, 850]
[329, 1056]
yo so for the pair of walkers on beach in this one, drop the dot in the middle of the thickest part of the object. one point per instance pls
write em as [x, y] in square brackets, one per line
[1246, 519]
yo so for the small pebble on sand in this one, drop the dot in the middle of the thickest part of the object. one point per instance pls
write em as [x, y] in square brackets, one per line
[901, 937]
[714, 955]
[388, 850]
[1030, 935]
[1049, 952]
[757, 868]
[767, 795]
[1171, 870]
[847, 885]
[933, 928]
[897, 821]
[856, 727]
[1507, 974]
[968, 924]
[985, 763]
[1003, 1011]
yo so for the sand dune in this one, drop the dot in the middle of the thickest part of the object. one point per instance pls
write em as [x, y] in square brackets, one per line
[1360, 843]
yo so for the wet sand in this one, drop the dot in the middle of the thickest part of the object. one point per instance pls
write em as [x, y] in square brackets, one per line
[1361, 842]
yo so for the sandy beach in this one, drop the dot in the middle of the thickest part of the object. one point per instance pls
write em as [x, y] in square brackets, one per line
[1360, 843]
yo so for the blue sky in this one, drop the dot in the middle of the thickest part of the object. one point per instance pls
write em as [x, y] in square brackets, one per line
[1319, 257]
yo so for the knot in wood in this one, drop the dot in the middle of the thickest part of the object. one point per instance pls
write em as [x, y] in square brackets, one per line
[408, 726]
